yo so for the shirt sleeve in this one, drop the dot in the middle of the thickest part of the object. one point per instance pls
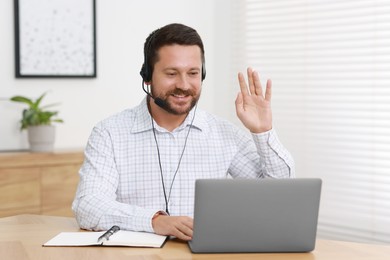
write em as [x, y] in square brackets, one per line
[262, 157]
[277, 161]
[95, 205]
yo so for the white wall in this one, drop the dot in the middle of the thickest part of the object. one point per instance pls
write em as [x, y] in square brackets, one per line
[122, 27]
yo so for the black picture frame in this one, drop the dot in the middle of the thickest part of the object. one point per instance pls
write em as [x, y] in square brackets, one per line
[55, 39]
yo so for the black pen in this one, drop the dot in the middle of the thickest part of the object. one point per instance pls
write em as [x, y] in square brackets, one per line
[109, 233]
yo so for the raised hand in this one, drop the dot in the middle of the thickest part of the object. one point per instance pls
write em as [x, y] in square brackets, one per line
[252, 107]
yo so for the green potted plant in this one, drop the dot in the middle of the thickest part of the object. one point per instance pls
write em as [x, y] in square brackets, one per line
[38, 122]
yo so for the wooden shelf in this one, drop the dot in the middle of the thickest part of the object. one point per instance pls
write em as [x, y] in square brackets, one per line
[38, 183]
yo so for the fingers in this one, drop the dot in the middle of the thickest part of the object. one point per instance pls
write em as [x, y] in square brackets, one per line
[250, 74]
[239, 103]
[180, 227]
[243, 85]
[184, 230]
[257, 84]
[268, 91]
[254, 83]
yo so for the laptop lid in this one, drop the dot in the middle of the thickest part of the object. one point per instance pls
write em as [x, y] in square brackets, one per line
[262, 215]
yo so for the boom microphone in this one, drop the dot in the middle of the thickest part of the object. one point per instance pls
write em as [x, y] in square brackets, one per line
[158, 101]
[161, 103]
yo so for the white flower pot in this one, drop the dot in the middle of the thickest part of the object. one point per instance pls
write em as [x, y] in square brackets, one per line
[41, 138]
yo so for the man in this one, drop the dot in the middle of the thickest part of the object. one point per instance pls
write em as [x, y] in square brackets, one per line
[141, 165]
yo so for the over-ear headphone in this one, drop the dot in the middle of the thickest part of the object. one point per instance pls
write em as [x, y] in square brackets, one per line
[146, 70]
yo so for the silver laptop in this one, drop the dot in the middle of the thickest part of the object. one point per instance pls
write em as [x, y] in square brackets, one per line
[265, 215]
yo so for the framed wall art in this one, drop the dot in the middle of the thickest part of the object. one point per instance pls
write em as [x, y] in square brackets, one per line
[55, 38]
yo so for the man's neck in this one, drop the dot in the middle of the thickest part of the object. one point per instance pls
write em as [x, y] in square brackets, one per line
[165, 119]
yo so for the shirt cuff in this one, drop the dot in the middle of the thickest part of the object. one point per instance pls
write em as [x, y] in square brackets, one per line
[144, 220]
[262, 141]
[270, 148]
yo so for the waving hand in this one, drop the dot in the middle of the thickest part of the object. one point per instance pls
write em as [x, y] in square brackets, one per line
[253, 107]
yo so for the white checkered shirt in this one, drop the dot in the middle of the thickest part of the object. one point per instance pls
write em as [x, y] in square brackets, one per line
[120, 181]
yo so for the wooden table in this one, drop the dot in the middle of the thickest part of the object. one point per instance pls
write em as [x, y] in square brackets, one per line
[22, 236]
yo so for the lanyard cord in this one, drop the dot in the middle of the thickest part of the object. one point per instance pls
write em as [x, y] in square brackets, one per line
[178, 165]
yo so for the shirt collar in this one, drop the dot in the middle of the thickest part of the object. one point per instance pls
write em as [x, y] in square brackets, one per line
[143, 122]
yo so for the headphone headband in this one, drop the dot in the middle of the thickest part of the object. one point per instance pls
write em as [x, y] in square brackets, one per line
[146, 69]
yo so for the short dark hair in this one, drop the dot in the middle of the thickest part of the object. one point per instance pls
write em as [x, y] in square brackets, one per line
[170, 34]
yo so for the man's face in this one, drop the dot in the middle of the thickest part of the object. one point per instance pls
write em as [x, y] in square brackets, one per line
[177, 77]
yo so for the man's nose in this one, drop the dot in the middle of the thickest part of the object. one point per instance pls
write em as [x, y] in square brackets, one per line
[183, 82]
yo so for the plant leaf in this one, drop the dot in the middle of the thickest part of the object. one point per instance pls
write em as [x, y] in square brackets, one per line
[50, 105]
[38, 101]
[22, 100]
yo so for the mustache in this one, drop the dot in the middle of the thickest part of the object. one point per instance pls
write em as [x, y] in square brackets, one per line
[178, 91]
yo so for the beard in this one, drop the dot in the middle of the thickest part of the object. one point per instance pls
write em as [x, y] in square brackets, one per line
[170, 108]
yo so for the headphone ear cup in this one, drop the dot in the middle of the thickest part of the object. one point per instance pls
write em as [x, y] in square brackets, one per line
[145, 73]
[203, 72]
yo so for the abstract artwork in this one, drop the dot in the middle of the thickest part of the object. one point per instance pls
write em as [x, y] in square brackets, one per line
[55, 38]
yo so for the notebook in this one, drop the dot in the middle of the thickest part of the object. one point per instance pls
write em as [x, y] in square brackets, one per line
[263, 215]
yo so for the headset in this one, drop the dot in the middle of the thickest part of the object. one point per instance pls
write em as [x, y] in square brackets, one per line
[146, 74]
[146, 69]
